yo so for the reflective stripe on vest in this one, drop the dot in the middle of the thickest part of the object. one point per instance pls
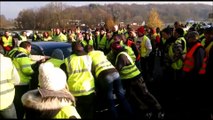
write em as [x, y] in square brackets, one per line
[100, 62]
[7, 90]
[7, 42]
[3, 81]
[80, 82]
[130, 71]
[189, 60]
[23, 66]
[180, 40]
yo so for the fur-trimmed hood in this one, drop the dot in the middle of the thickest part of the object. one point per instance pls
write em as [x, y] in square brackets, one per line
[33, 99]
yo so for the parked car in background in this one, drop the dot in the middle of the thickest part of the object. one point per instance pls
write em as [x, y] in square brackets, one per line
[46, 48]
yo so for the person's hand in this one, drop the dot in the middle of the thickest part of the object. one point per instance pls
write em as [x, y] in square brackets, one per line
[44, 59]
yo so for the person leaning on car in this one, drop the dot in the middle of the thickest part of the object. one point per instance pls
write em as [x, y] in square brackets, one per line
[24, 65]
[57, 57]
[80, 80]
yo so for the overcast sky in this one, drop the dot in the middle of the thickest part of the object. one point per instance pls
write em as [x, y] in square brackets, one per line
[11, 9]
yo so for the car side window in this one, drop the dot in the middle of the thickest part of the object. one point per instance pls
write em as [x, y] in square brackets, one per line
[34, 52]
[67, 51]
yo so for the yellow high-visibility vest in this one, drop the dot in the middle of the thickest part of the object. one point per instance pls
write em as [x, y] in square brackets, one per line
[80, 78]
[7, 42]
[130, 71]
[7, 90]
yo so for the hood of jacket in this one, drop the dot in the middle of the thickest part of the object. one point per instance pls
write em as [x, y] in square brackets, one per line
[33, 99]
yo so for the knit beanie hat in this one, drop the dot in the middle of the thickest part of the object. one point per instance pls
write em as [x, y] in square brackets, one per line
[51, 78]
[58, 54]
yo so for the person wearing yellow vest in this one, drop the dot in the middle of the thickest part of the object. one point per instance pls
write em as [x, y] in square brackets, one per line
[109, 41]
[87, 40]
[131, 35]
[194, 69]
[167, 82]
[108, 82]
[209, 45]
[129, 42]
[59, 36]
[9, 77]
[72, 36]
[208, 33]
[12, 52]
[7, 42]
[36, 36]
[209, 69]
[145, 49]
[177, 52]
[80, 80]
[52, 99]
[46, 37]
[100, 39]
[202, 39]
[22, 37]
[23, 64]
[118, 38]
[121, 29]
[142, 101]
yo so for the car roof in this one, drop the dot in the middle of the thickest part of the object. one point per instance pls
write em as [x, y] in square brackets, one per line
[50, 44]
[48, 47]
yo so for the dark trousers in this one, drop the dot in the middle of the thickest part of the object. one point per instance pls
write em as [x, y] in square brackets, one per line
[167, 91]
[19, 91]
[147, 66]
[106, 89]
[139, 96]
[8, 113]
[85, 105]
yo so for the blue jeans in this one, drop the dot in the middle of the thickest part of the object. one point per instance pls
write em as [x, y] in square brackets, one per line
[109, 86]
[8, 113]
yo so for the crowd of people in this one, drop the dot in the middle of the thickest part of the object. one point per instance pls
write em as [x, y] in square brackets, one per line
[148, 72]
